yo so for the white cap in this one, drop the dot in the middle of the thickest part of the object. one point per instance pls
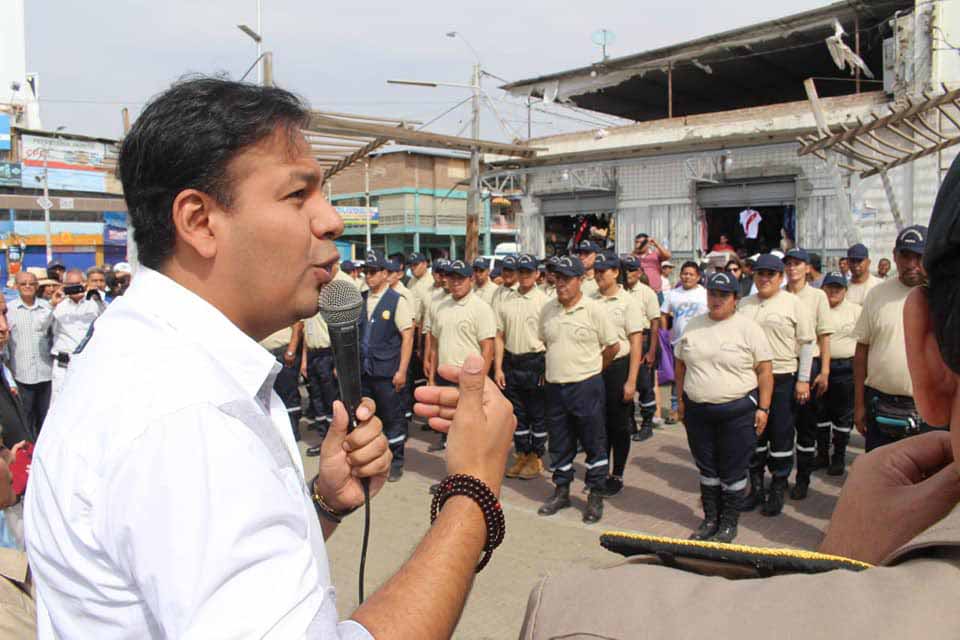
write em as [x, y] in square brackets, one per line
[122, 267]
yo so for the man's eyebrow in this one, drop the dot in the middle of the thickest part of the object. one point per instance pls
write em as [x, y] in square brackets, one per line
[311, 178]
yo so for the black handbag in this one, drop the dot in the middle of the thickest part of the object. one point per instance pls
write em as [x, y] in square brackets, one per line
[896, 416]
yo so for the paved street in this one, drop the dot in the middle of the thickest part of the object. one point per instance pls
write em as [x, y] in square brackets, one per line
[661, 497]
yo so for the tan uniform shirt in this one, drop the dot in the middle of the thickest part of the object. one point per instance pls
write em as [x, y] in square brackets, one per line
[589, 286]
[815, 302]
[459, 326]
[548, 289]
[413, 301]
[843, 343]
[437, 295]
[518, 317]
[575, 339]
[880, 326]
[627, 316]
[315, 333]
[277, 339]
[402, 318]
[501, 291]
[347, 278]
[18, 612]
[486, 291]
[422, 290]
[721, 357]
[857, 293]
[648, 302]
[786, 323]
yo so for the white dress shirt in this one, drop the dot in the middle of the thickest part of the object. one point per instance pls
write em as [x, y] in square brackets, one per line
[71, 320]
[30, 358]
[176, 507]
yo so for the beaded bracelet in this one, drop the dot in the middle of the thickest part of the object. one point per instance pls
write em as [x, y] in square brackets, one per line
[479, 492]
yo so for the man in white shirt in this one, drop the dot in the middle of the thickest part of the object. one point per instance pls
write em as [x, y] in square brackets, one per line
[76, 307]
[30, 318]
[179, 508]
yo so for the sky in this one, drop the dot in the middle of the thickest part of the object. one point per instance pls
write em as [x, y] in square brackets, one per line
[96, 57]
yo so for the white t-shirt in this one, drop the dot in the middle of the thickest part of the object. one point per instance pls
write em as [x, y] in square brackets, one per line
[683, 305]
[750, 221]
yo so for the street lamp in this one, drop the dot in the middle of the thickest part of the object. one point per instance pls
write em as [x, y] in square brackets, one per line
[256, 37]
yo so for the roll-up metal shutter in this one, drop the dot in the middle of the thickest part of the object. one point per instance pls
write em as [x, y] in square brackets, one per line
[747, 194]
[572, 204]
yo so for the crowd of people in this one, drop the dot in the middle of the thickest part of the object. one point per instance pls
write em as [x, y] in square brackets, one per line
[772, 363]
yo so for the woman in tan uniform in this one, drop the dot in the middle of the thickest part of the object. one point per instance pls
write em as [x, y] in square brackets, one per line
[724, 381]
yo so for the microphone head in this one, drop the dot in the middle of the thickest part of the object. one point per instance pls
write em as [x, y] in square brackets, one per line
[340, 303]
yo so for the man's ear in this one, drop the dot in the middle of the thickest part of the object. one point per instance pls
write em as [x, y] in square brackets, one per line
[934, 384]
[192, 212]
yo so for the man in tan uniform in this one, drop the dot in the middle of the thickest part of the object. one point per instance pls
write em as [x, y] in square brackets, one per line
[587, 251]
[462, 323]
[520, 367]
[897, 510]
[646, 377]
[581, 342]
[316, 367]
[483, 286]
[549, 285]
[438, 293]
[861, 280]
[884, 407]
[508, 268]
[787, 325]
[796, 265]
[285, 347]
[18, 612]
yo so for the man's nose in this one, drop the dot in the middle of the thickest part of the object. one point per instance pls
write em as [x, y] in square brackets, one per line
[325, 222]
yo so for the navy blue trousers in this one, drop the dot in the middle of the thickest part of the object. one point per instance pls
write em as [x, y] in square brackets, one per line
[390, 411]
[320, 382]
[576, 411]
[722, 440]
[524, 374]
[836, 405]
[774, 448]
[807, 418]
[287, 387]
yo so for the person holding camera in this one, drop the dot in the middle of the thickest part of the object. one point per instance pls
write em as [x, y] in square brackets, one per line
[76, 306]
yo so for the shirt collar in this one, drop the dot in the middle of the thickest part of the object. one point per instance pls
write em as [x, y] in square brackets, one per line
[21, 303]
[199, 322]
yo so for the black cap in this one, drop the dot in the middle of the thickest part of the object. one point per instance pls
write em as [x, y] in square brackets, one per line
[526, 262]
[394, 266]
[416, 258]
[858, 252]
[440, 265]
[509, 263]
[568, 266]
[798, 254]
[630, 262]
[347, 265]
[375, 260]
[481, 264]
[721, 281]
[55, 264]
[912, 239]
[587, 246]
[460, 268]
[834, 277]
[606, 261]
[768, 262]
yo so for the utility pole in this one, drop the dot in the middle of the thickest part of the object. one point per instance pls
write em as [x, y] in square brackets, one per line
[260, 74]
[366, 197]
[47, 204]
[473, 198]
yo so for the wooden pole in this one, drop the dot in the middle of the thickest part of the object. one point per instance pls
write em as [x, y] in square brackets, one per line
[670, 90]
[856, 40]
[125, 114]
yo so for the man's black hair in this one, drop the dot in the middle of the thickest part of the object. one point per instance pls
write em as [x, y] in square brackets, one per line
[816, 262]
[641, 235]
[186, 138]
[941, 259]
[691, 264]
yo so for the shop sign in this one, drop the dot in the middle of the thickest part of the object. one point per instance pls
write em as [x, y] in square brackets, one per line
[4, 132]
[357, 216]
[74, 165]
[10, 174]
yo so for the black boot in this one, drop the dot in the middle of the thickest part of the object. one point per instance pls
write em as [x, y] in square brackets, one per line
[773, 505]
[757, 494]
[823, 455]
[594, 510]
[838, 461]
[729, 517]
[646, 431]
[800, 486]
[560, 500]
[710, 497]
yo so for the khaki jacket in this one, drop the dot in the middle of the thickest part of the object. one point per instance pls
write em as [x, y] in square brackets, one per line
[910, 596]
[18, 613]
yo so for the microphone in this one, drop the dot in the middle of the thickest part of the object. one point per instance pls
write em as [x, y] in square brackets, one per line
[340, 308]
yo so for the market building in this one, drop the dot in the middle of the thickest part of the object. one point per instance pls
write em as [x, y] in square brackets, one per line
[717, 123]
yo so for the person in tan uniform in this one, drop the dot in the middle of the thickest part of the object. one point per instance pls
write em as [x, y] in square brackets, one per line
[884, 409]
[438, 293]
[897, 512]
[861, 280]
[646, 377]
[483, 286]
[18, 611]
[788, 327]
[395, 281]
[836, 406]
[581, 342]
[796, 266]
[520, 366]
[316, 367]
[508, 268]
[587, 251]
[620, 377]
[725, 381]
[549, 286]
[285, 347]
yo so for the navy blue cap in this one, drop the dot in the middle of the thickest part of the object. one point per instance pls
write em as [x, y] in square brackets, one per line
[481, 263]
[912, 239]
[460, 268]
[394, 266]
[55, 264]
[526, 262]
[587, 246]
[496, 271]
[347, 265]
[858, 252]
[606, 261]
[834, 277]
[375, 260]
[568, 266]
[416, 258]
[721, 281]
[798, 254]
[542, 267]
[768, 262]
[509, 263]
[630, 262]
[440, 265]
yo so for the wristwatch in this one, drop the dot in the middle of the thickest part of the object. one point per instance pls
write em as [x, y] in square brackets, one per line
[766, 411]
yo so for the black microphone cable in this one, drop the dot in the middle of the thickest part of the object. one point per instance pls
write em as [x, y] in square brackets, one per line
[366, 532]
